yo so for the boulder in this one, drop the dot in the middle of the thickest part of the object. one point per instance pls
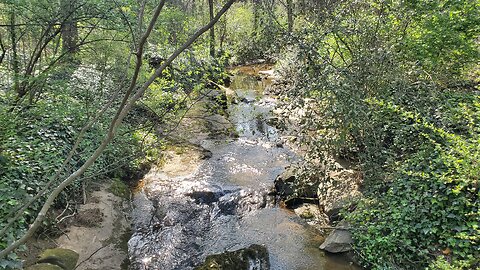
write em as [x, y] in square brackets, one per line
[205, 197]
[255, 257]
[206, 154]
[339, 190]
[339, 240]
[307, 211]
[294, 192]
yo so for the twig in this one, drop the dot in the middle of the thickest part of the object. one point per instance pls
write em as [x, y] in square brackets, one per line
[63, 212]
[65, 217]
[84, 192]
[91, 255]
[333, 228]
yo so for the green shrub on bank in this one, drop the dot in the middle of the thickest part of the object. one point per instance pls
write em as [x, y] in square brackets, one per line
[431, 206]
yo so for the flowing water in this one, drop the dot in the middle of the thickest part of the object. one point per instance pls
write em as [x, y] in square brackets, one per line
[223, 203]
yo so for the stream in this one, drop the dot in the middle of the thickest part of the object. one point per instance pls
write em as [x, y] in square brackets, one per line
[222, 203]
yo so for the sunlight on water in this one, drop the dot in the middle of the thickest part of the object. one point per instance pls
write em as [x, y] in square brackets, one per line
[222, 203]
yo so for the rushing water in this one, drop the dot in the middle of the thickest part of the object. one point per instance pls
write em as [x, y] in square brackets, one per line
[224, 204]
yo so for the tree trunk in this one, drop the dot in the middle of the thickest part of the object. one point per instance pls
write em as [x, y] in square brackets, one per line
[69, 28]
[223, 32]
[290, 10]
[4, 51]
[255, 15]
[15, 62]
[212, 30]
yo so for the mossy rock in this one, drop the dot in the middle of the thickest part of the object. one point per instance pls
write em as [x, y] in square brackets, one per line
[44, 266]
[64, 258]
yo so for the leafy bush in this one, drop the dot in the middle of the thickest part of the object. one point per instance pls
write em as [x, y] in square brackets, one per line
[442, 36]
[430, 206]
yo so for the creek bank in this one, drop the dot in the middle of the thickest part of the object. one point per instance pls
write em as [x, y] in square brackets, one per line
[321, 203]
[100, 244]
[319, 195]
[98, 230]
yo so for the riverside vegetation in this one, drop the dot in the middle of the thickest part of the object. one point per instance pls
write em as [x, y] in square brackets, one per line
[391, 86]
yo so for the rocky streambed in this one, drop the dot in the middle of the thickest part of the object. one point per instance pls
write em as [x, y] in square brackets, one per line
[214, 195]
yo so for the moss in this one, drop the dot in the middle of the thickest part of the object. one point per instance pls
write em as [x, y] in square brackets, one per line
[122, 244]
[122, 241]
[307, 214]
[179, 150]
[119, 189]
[62, 257]
[44, 266]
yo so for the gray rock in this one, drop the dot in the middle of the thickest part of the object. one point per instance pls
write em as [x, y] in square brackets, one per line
[333, 210]
[284, 183]
[295, 191]
[288, 175]
[206, 154]
[255, 257]
[339, 190]
[339, 240]
[143, 211]
[273, 121]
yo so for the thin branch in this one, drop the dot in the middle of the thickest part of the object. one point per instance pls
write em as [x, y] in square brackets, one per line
[91, 255]
[138, 65]
[125, 18]
[63, 212]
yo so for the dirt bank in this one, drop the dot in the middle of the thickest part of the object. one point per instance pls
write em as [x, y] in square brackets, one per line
[99, 231]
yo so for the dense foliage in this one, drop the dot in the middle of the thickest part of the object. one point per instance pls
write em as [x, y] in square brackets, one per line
[388, 85]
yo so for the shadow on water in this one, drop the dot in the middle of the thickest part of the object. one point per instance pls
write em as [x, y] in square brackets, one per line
[223, 204]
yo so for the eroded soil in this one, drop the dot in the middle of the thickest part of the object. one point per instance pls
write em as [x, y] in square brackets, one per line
[99, 232]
